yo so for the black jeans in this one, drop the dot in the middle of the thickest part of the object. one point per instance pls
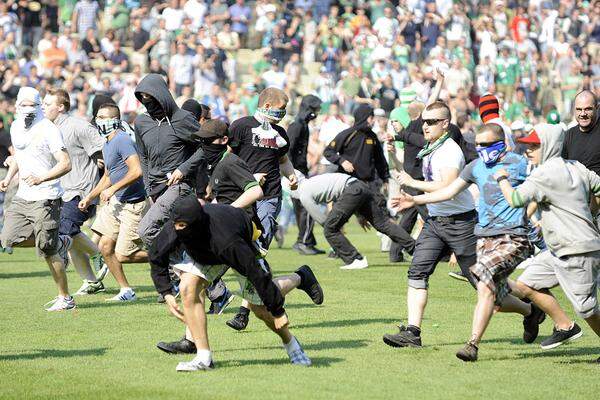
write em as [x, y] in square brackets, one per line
[358, 198]
[440, 235]
[407, 222]
[305, 225]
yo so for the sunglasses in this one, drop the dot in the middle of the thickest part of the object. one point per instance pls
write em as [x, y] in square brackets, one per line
[488, 144]
[431, 122]
[208, 140]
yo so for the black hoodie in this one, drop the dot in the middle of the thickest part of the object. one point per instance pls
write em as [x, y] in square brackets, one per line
[359, 145]
[298, 132]
[216, 234]
[168, 144]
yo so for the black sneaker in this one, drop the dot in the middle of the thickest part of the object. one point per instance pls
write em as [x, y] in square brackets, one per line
[560, 337]
[310, 284]
[458, 275]
[182, 346]
[404, 338]
[531, 324]
[239, 322]
[468, 353]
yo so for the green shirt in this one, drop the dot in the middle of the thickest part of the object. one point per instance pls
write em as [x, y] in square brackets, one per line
[576, 81]
[251, 103]
[121, 18]
[515, 110]
[507, 70]
[351, 86]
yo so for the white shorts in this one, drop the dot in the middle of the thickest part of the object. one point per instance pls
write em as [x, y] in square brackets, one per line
[212, 273]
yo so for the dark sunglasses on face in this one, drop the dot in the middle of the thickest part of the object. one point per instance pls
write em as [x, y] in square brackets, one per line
[431, 122]
[488, 144]
[208, 140]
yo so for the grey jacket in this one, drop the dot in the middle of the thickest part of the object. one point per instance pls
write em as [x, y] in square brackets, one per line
[169, 144]
[562, 188]
[319, 190]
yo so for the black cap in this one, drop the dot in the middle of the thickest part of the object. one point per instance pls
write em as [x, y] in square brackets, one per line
[213, 128]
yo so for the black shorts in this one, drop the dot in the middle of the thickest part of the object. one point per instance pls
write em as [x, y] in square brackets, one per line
[71, 217]
[439, 236]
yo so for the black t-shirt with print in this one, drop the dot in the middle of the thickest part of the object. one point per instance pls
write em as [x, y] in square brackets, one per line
[583, 147]
[230, 178]
[262, 155]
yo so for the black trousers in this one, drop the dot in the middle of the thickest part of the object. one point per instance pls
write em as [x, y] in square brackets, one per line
[305, 225]
[407, 222]
[358, 198]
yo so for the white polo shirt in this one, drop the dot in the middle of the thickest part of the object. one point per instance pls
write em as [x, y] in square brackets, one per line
[448, 155]
[34, 150]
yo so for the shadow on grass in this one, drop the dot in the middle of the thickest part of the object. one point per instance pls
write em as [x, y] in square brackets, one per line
[565, 352]
[319, 362]
[511, 340]
[325, 345]
[32, 274]
[346, 322]
[53, 353]
[104, 303]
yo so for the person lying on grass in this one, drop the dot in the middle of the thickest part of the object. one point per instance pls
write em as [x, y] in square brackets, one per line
[216, 237]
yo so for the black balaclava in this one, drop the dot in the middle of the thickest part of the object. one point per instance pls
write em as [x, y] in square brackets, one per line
[154, 108]
[361, 115]
[188, 209]
[309, 107]
[193, 107]
[213, 152]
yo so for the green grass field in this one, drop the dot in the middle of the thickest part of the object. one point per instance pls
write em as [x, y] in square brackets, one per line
[107, 351]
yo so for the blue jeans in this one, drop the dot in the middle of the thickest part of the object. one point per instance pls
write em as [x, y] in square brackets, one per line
[268, 211]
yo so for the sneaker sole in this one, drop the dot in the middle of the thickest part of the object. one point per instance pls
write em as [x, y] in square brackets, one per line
[353, 268]
[555, 345]
[227, 303]
[457, 277]
[234, 327]
[63, 309]
[392, 343]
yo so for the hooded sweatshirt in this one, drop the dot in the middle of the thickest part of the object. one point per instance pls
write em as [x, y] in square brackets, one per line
[359, 145]
[562, 189]
[216, 234]
[169, 143]
[299, 133]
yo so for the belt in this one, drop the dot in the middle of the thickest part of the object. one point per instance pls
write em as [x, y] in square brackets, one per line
[133, 201]
[466, 216]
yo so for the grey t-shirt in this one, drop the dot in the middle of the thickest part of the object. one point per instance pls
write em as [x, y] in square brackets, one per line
[82, 141]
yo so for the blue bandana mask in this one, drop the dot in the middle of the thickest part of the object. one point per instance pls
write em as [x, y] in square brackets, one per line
[108, 126]
[490, 154]
[274, 114]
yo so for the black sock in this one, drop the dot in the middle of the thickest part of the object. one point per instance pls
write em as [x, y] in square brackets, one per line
[414, 330]
[243, 310]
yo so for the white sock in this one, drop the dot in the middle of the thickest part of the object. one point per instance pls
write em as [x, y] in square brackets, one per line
[292, 345]
[126, 289]
[204, 356]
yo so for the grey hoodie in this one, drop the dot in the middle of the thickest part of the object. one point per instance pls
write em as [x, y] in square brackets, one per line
[562, 188]
[169, 144]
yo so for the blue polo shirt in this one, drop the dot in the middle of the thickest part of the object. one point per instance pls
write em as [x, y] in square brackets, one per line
[115, 152]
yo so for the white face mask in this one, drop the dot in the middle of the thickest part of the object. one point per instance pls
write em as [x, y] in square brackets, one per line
[108, 126]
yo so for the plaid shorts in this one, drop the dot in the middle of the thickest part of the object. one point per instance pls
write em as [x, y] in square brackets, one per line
[497, 258]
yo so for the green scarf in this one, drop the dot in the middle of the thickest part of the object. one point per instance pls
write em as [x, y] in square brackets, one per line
[431, 147]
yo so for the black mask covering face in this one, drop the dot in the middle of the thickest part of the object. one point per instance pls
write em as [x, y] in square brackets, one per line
[29, 118]
[154, 108]
[213, 152]
[187, 209]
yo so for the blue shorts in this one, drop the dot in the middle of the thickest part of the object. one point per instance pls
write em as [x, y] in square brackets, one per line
[71, 217]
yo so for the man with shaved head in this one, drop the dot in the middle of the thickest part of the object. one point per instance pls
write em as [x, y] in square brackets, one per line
[450, 224]
[582, 142]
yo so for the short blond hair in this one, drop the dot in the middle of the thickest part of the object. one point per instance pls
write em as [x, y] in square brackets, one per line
[272, 95]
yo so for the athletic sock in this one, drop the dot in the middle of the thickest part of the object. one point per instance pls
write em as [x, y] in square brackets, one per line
[243, 310]
[292, 345]
[414, 330]
[204, 356]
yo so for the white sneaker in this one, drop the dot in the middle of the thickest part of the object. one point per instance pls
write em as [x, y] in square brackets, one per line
[61, 304]
[90, 287]
[298, 356]
[357, 264]
[124, 295]
[194, 365]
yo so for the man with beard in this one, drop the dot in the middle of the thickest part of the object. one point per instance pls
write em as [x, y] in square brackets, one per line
[41, 159]
[215, 238]
[299, 135]
[168, 152]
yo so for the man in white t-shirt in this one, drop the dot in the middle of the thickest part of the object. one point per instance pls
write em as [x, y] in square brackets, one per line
[40, 159]
[450, 225]
[274, 77]
[181, 69]
[173, 16]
